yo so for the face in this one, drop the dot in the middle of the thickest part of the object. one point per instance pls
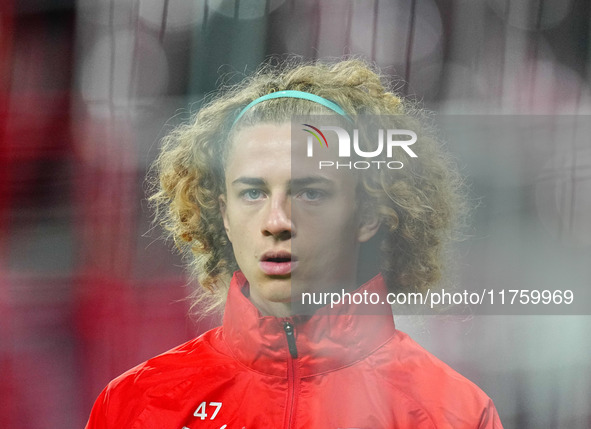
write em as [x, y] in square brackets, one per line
[289, 226]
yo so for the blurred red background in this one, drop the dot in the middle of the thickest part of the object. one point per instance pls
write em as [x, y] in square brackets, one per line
[87, 88]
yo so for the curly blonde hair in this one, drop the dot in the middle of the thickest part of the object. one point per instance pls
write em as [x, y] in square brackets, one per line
[418, 205]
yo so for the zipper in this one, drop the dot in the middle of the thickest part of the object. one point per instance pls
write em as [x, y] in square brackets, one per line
[292, 375]
[291, 343]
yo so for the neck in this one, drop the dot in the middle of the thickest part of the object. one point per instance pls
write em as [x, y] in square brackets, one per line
[268, 308]
[290, 308]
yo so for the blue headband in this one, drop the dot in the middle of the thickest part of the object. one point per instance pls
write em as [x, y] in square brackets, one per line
[294, 94]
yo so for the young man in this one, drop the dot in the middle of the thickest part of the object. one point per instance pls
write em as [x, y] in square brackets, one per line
[245, 205]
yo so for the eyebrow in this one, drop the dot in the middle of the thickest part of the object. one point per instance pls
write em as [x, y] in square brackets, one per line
[252, 181]
[299, 182]
[310, 180]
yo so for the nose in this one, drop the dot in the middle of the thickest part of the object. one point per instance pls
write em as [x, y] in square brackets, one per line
[277, 221]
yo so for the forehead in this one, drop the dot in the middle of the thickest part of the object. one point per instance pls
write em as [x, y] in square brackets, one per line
[263, 139]
[258, 150]
[278, 149]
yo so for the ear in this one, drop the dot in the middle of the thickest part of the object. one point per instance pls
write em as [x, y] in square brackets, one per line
[369, 223]
[223, 211]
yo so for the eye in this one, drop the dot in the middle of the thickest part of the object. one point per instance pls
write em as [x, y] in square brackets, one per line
[252, 194]
[311, 194]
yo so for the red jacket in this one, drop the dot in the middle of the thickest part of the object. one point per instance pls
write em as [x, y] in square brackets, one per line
[325, 371]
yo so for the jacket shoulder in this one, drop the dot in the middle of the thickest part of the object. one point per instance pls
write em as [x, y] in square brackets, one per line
[449, 398]
[163, 377]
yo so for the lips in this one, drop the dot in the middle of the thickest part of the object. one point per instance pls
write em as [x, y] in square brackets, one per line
[277, 263]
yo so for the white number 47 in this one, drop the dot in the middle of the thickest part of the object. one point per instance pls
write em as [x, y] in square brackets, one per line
[200, 411]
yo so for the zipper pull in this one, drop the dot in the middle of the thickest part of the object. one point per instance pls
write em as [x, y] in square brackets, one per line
[291, 343]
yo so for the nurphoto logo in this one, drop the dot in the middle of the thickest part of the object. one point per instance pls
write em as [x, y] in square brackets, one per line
[388, 140]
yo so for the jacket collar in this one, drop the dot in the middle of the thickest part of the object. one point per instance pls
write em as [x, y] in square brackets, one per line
[328, 340]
